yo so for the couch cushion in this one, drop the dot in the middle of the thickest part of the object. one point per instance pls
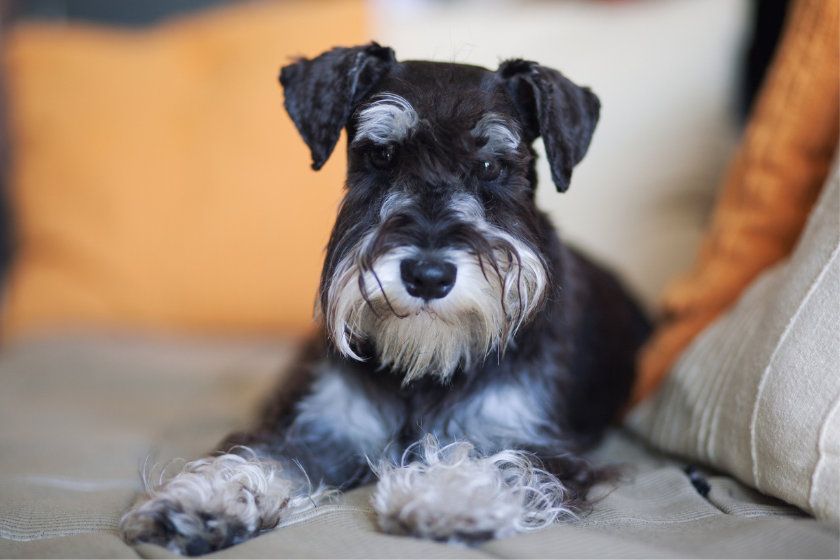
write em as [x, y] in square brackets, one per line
[772, 184]
[757, 394]
[158, 183]
[79, 417]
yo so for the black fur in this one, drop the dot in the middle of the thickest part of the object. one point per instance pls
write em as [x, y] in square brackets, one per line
[321, 93]
[551, 106]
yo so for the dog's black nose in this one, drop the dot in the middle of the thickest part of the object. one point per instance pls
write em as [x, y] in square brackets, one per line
[428, 278]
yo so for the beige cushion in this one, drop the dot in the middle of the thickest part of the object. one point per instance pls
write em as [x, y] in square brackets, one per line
[757, 394]
[79, 416]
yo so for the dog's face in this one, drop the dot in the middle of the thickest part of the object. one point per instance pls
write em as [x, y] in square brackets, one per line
[438, 254]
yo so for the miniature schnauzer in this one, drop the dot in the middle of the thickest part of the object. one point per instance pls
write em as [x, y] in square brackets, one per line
[466, 358]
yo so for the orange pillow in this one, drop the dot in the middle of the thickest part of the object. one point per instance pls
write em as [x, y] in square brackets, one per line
[774, 180]
[158, 182]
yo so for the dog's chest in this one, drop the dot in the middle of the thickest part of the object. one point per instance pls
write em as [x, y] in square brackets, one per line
[501, 415]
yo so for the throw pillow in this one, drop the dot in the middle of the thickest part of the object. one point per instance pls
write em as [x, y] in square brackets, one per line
[158, 183]
[757, 394]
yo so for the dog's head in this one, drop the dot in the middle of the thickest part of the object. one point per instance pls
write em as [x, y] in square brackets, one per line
[438, 254]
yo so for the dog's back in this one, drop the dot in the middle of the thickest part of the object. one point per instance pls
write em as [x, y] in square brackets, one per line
[611, 329]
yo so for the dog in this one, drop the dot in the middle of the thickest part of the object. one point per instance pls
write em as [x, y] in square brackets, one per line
[465, 358]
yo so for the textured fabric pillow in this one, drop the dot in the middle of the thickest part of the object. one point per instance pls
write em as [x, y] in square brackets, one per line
[772, 184]
[158, 182]
[757, 394]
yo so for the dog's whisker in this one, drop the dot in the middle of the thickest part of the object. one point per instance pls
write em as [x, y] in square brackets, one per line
[385, 296]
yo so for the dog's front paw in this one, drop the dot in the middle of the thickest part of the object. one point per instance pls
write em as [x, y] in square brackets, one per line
[457, 495]
[191, 532]
[212, 504]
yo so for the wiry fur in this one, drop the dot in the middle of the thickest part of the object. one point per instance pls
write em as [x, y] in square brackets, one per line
[215, 503]
[456, 494]
[340, 406]
[502, 416]
[451, 315]
[390, 118]
[497, 135]
[496, 292]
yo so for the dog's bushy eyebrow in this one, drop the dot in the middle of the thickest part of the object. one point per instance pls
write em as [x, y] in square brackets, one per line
[499, 135]
[389, 118]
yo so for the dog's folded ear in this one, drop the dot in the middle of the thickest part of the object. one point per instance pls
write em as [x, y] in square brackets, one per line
[553, 107]
[321, 93]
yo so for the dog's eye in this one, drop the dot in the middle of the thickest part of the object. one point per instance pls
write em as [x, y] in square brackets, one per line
[382, 157]
[489, 170]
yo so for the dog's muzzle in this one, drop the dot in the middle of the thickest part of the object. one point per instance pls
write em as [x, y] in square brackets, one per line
[426, 307]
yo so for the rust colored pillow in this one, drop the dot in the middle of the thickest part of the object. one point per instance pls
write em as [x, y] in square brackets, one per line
[158, 183]
[772, 183]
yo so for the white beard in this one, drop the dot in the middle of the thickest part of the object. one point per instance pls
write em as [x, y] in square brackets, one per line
[480, 314]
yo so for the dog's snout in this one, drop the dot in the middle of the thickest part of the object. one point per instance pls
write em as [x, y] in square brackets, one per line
[428, 278]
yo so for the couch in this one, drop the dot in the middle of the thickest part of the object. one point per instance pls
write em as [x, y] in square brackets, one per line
[83, 416]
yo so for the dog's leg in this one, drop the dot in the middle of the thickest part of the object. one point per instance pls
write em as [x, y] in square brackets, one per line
[319, 428]
[457, 494]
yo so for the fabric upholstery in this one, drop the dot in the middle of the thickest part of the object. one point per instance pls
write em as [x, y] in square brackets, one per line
[772, 184]
[158, 183]
[757, 394]
[80, 417]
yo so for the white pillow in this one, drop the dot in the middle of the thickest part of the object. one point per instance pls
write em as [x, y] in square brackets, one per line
[757, 394]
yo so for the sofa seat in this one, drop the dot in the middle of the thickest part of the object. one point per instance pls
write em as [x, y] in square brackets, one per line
[81, 415]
